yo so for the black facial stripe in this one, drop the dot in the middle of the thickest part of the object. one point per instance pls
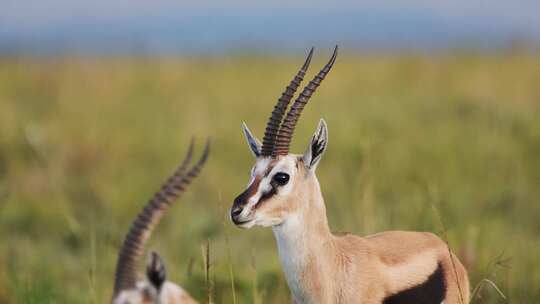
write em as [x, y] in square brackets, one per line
[432, 291]
[242, 199]
[266, 196]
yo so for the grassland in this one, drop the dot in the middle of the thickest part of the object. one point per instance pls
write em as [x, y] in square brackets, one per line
[84, 142]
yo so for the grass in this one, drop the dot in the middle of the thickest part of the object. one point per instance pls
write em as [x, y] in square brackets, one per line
[85, 141]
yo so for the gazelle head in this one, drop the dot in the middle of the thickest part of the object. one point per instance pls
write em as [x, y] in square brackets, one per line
[154, 288]
[279, 179]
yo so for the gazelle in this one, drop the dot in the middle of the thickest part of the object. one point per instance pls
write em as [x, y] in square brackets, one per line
[154, 289]
[393, 267]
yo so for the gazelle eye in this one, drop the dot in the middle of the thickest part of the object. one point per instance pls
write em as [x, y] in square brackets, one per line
[281, 178]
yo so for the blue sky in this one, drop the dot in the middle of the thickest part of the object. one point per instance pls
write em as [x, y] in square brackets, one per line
[200, 26]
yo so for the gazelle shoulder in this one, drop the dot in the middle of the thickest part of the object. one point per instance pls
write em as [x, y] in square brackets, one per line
[349, 242]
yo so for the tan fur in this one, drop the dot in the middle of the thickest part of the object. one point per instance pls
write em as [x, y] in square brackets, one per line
[176, 295]
[322, 267]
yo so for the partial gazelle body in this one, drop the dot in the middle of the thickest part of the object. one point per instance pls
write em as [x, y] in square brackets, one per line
[320, 267]
[154, 288]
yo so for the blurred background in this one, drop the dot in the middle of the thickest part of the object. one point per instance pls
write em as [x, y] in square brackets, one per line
[433, 111]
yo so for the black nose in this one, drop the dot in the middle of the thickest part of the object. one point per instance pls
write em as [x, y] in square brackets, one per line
[235, 212]
[238, 206]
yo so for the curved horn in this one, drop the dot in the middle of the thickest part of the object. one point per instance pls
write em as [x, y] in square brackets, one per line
[272, 128]
[132, 249]
[286, 130]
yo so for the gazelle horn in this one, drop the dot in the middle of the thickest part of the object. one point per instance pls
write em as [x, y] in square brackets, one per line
[272, 128]
[286, 130]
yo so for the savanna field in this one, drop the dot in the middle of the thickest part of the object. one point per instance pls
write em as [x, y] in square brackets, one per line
[447, 143]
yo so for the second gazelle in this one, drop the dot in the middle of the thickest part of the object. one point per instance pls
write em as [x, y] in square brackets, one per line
[320, 267]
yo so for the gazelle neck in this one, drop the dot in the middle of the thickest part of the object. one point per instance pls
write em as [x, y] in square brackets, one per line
[305, 244]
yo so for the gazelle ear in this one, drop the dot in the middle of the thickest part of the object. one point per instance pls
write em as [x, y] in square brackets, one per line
[253, 142]
[155, 270]
[316, 148]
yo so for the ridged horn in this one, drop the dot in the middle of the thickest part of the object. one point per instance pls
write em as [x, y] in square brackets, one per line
[286, 130]
[272, 128]
[141, 228]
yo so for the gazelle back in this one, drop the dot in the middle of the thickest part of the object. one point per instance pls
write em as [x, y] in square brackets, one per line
[283, 192]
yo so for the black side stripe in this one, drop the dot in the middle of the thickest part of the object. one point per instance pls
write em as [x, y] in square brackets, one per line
[432, 291]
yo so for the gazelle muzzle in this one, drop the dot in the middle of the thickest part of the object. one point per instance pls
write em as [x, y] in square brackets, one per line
[241, 201]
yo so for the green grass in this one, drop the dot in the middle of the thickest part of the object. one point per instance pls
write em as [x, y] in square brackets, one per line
[84, 142]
